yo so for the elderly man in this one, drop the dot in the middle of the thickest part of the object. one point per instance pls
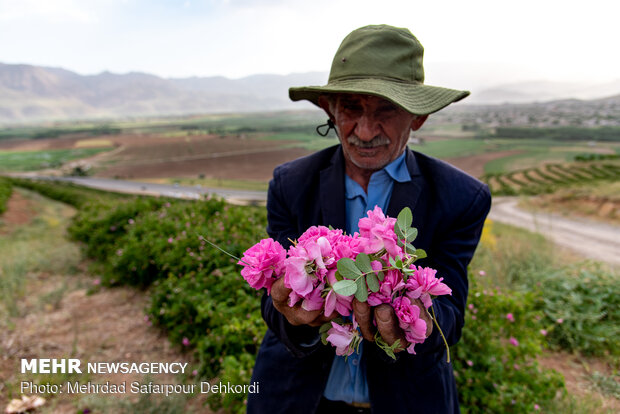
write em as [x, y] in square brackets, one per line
[375, 96]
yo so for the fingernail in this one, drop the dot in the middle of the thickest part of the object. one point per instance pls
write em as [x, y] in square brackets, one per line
[383, 314]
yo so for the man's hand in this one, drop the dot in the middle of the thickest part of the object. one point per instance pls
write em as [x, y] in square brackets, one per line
[387, 322]
[295, 315]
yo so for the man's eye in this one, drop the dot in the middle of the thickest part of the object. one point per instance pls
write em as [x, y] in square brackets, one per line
[387, 109]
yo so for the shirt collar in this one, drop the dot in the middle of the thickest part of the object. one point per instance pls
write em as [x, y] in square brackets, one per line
[397, 170]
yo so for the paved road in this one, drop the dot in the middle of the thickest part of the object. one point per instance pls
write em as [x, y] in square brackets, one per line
[593, 240]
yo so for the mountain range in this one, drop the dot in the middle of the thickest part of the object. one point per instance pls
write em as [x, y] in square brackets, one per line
[33, 93]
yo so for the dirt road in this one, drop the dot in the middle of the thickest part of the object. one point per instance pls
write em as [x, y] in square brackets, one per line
[587, 238]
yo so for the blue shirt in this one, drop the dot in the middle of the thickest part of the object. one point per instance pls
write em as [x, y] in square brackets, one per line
[347, 379]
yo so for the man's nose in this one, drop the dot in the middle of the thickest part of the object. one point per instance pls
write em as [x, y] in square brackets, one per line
[367, 126]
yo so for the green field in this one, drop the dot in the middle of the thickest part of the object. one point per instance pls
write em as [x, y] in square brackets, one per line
[36, 160]
[457, 147]
[526, 148]
[307, 140]
[534, 152]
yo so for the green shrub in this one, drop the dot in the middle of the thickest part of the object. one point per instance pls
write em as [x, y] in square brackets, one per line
[579, 303]
[168, 240]
[100, 226]
[236, 370]
[216, 312]
[495, 365]
[68, 193]
[582, 310]
[6, 189]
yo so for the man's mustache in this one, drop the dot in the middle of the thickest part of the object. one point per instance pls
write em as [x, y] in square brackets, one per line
[377, 141]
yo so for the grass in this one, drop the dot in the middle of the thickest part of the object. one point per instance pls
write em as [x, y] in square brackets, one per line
[37, 247]
[606, 384]
[595, 200]
[36, 160]
[571, 404]
[508, 255]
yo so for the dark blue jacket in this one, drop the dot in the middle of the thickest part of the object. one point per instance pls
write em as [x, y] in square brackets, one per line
[449, 208]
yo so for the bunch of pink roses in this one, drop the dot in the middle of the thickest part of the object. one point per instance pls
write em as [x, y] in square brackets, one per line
[326, 269]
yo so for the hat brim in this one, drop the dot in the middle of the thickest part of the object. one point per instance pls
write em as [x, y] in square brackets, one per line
[415, 98]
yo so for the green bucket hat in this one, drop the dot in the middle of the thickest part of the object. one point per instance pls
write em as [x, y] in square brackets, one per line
[383, 61]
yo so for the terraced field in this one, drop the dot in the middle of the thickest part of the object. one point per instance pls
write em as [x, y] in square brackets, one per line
[550, 177]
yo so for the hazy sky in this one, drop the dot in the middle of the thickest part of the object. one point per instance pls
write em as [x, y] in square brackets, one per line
[516, 40]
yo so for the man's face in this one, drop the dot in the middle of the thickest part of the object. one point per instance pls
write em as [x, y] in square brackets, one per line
[373, 131]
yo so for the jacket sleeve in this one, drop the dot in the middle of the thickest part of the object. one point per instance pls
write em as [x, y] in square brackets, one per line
[452, 251]
[299, 340]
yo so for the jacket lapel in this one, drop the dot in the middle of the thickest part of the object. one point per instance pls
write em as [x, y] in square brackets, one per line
[332, 192]
[406, 194]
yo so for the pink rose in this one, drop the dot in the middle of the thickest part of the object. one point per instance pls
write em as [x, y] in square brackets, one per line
[313, 301]
[263, 263]
[409, 320]
[296, 277]
[377, 232]
[423, 283]
[392, 282]
[343, 338]
[334, 301]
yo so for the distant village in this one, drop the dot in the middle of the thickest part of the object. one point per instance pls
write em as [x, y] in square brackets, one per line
[564, 113]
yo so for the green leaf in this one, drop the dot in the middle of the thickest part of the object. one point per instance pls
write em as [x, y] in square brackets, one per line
[361, 292]
[347, 268]
[346, 287]
[389, 350]
[381, 276]
[409, 248]
[412, 233]
[373, 282]
[362, 261]
[420, 253]
[338, 276]
[325, 327]
[405, 218]
[400, 233]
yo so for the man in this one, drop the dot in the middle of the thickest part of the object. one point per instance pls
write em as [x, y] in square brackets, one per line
[375, 96]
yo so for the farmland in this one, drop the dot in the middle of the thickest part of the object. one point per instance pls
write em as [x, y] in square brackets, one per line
[146, 251]
[247, 147]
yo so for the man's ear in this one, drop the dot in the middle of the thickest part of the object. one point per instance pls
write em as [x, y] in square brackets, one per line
[418, 121]
[325, 103]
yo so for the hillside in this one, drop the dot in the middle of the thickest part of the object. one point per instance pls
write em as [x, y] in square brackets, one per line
[31, 93]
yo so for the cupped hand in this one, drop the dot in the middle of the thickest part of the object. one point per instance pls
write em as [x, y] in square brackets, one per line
[296, 315]
[386, 322]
